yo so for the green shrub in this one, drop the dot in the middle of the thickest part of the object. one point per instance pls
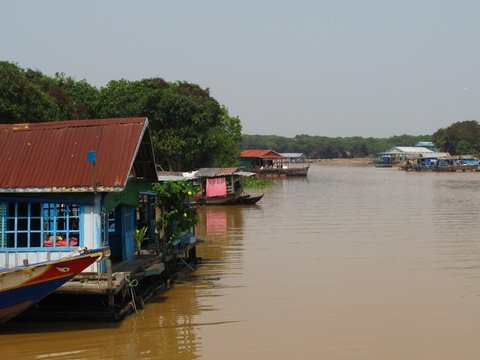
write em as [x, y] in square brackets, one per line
[257, 183]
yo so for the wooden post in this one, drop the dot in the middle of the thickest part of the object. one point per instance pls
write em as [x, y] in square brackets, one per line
[111, 300]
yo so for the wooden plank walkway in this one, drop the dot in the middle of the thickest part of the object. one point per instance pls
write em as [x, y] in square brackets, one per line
[91, 283]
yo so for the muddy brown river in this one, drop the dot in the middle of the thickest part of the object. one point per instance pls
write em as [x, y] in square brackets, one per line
[352, 262]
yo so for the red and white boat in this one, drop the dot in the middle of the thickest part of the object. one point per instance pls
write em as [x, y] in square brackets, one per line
[23, 286]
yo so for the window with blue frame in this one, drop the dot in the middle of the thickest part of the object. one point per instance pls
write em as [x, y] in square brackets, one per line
[111, 223]
[39, 225]
[3, 212]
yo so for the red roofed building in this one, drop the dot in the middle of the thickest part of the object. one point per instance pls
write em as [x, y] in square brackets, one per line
[261, 154]
[254, 159]
[269, 163]
[72, 183]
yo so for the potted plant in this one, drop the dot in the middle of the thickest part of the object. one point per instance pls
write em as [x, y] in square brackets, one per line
[140, 237]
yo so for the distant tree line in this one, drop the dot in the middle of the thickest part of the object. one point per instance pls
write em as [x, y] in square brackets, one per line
[190, 129]
[322, 147]
[460, 138]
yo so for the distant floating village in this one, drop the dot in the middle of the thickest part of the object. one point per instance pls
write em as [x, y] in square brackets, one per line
[424, 156]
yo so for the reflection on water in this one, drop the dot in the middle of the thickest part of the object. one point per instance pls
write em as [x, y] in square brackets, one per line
[350, 263]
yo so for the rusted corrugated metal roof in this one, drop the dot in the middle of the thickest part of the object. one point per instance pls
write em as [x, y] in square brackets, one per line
[263, 154]
[214, 172]
[227, 171]
[42, 156]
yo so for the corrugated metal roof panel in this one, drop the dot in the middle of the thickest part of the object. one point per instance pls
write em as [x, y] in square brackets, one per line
[436, 155]
[213, 172]
[414, 149]
[227, 171]
[245, 173]
[206, 172]
[292, 155]
[164, 178]
[407, 150]
[54, 154]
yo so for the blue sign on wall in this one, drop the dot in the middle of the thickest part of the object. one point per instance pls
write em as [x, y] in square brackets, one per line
[92, 157]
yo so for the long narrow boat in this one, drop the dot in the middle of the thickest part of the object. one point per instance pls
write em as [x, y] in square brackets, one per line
[232, 199]
[249, 199]
[227, 183]
[23, 286]
[282, 171]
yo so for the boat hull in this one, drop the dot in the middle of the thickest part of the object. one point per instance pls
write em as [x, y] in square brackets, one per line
[216, 200]
[250, 200]
[282, 172]
[228, 200]
[23, 286]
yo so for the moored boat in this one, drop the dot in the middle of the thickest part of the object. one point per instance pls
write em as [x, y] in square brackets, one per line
[221, 186]
[23, 286]
[282, 171]
[384, 162]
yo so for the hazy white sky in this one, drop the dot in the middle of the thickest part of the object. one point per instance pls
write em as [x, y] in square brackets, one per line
[330, 68]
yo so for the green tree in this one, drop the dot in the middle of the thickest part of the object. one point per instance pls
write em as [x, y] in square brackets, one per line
[459, 138]
[81, 98]
[30, 96]
[169, 148]
[190, 128]
[228, 136]
[464, 147]
[123, 98]
[23, 97]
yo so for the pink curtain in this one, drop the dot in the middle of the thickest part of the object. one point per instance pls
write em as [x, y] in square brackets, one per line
[216, 187]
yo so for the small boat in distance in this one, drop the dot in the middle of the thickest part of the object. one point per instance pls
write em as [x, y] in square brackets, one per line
[221, 186]
[383, 162]
[23, 286]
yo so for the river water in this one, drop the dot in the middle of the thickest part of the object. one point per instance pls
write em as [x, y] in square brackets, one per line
[352, 262]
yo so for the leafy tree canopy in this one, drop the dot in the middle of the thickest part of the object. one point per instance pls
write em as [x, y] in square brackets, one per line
[30, 96]
[462, 137]
[24, 96]
[200, 133]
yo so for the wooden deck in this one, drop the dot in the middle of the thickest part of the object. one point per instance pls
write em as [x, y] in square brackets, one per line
[122, 273]
[110, 296]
